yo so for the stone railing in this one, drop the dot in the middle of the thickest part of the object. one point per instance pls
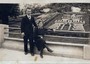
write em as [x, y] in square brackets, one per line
[85, 47]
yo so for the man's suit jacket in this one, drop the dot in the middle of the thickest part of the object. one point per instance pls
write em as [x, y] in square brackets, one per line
[27, 25]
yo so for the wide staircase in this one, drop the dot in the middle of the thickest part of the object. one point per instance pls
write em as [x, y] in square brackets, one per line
[63, 43]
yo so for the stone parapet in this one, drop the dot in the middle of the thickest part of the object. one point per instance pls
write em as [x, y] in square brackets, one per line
[1, 34]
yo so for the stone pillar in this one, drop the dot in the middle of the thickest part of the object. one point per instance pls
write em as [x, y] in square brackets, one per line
[1, 34]
[86, 52]
[87, 49]
[89, 39]
[6, 30]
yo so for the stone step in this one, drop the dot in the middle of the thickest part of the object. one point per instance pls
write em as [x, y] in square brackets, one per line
[65, 39]
[59, 48]
[48, 42]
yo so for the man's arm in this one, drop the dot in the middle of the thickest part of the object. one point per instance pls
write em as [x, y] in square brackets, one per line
[22, 25]
[34, 23]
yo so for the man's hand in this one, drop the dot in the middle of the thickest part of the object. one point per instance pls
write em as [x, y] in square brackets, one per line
[22, 33]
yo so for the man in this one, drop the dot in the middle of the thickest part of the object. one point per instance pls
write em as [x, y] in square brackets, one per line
[27, 24]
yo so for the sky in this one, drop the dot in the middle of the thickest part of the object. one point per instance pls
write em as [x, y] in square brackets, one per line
[43, 2]
[22, 4]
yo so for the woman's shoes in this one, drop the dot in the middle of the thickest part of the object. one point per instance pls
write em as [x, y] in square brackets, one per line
[50, 50]
[32, 54]
[41, 55]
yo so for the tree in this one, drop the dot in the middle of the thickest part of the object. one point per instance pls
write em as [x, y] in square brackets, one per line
[8, 10]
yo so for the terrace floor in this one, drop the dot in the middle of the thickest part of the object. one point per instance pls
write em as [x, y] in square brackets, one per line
[18, 57]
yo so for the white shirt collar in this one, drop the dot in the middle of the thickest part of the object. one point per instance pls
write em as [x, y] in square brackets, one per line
[29, 16]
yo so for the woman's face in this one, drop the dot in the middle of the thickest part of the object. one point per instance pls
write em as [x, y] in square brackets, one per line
[28, 11]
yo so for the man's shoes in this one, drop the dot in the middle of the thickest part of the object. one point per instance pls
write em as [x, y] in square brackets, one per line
[32, 54]
[26, 53]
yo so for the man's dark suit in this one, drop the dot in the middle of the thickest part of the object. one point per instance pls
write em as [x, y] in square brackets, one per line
[27, 28]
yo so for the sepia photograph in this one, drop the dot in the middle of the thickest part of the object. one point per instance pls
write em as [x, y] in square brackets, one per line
[45, 33]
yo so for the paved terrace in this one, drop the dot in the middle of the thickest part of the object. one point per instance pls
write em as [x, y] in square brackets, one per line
[18, 57]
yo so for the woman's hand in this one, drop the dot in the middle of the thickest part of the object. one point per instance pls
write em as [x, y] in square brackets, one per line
[22, 33]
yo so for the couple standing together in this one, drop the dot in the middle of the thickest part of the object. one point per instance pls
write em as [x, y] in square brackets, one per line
[27, 25]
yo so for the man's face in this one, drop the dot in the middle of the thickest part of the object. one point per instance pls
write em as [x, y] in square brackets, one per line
[28, 12]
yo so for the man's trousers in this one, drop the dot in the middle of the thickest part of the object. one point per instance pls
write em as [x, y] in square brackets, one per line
[30, 42]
